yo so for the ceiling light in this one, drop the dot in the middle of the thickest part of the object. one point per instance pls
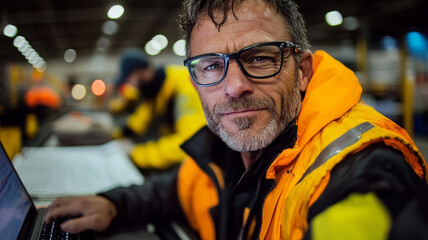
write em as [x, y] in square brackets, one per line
[18, 41]
[115, 12]
[37, 60]
[70, 55]
[179, 47]
[333, 18]
[24, 47]
[27, 52]
[152, 48]
[110, 27]
[10, 30]
[103, 44]
[32, 56]
[22, 44]
[155, 44]
[350, 23]
[161, 39]
[41, 65]
[78, 92]
[98, 87]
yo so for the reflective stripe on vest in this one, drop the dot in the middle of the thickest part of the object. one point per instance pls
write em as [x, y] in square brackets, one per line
[347, 139]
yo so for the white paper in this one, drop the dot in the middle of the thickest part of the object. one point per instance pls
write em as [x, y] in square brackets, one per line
[49, 172]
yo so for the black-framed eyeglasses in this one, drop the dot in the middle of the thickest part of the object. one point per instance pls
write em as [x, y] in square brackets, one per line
[263, 60]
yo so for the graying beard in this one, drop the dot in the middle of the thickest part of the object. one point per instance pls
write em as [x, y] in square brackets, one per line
[244, 122]
[249, 140]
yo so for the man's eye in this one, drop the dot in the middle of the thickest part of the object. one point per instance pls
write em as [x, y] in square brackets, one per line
[259, 58]
[213, 66]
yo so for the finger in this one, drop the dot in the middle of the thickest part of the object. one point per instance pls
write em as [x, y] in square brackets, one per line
[62, 209]
[56, 203]
[61, 201]
[89, 222]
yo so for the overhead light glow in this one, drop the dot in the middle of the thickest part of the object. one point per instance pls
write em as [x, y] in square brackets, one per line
[103, 44]
[161, 39]
[155, 44]
[110, 27]
[36, 59]
[18, 41]
[115, 12]
[179, 47]
[350, 23]
[333, 18]
[27, 52]
[25, 47]
[70, 55]
[152, 48]
[98, 87]
[40, 65]
[78, 92]
[32, 56]
[10, 30]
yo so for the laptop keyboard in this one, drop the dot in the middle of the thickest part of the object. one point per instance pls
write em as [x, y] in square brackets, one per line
[52, 231]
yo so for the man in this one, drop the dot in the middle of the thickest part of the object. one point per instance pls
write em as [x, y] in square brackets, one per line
[167, 111]
[299, 156]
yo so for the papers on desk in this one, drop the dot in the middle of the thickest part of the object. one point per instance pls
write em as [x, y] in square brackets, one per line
[50, 172]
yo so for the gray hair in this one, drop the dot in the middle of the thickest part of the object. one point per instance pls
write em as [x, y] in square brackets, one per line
[288, 8]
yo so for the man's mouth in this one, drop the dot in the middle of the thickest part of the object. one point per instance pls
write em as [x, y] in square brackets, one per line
[241, 112]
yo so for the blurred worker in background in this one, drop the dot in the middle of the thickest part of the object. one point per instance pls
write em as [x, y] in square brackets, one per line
[165, 110]
[42, 102]
[131, 60]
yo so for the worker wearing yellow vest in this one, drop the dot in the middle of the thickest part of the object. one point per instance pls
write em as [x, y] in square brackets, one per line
[290, 151]
[168, 108]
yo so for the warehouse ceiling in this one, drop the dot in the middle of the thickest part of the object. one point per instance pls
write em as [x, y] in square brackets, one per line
[53, 26]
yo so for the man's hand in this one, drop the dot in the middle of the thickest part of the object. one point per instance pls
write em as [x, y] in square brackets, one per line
[92, 213]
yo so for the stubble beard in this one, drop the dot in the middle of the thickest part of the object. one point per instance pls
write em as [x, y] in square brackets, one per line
[248, 139]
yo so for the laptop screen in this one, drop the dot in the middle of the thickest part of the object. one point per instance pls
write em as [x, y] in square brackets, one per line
[15, 203]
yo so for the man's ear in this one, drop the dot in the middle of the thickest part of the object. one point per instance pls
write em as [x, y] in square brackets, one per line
[305, 70]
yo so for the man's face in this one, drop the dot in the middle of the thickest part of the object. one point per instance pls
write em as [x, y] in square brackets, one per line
[248, 114]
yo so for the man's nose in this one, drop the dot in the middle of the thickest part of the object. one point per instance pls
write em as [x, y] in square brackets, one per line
[236, 84]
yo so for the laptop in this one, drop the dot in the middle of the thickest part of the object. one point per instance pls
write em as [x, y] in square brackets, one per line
[19, 217]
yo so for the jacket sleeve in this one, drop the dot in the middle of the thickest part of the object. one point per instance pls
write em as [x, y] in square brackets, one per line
[139, 121]
[166, 151]
[372, 194]
[155, 200]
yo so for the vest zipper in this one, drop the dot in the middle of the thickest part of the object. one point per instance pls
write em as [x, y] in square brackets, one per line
[262, 204]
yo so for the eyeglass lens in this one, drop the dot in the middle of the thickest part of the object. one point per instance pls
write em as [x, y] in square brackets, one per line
[259, 61]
